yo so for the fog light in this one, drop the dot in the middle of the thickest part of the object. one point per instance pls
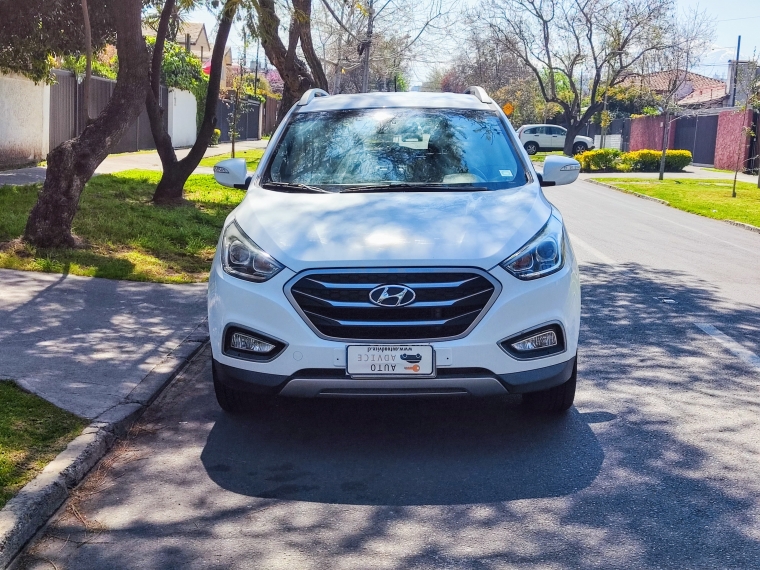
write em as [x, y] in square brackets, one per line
[250, 343]
[543, 339]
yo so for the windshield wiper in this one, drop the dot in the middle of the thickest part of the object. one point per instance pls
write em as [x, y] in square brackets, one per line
[406, 187]
[294, 187]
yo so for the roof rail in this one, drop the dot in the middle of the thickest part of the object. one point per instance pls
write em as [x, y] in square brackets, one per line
[478, 92]
[310, 94]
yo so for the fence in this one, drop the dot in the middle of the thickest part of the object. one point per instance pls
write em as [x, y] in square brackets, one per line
[68, 118]
[271, 105]
[713, 136]
[618, 134]
[248, 123]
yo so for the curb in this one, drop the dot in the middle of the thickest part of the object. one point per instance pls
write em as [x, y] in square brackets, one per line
[742, 225]
[749, 227]
[643, 196]
[31, 508]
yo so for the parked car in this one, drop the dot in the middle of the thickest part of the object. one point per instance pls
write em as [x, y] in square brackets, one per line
[395, 244]
[550, 137]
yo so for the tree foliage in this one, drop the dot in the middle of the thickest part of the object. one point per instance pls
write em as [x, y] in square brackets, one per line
[560, 40]
[181, 69]
[77, 65]
[34, 32]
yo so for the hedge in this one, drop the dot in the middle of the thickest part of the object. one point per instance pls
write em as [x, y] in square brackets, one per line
[610, 159]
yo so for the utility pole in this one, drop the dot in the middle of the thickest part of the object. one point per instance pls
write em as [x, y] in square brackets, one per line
[736, 71]
[367, 45]
[604, 111]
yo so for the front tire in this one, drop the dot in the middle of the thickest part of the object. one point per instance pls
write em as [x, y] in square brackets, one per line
[579, 147]
[531, 148]
[554, 400]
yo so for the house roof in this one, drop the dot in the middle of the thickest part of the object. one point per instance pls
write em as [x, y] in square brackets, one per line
[662, 81]
[192, 28]
[702, 96]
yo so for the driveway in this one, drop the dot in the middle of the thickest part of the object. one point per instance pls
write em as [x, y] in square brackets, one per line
[657, 465]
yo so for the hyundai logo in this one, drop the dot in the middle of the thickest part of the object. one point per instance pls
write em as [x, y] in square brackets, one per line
[392, 296]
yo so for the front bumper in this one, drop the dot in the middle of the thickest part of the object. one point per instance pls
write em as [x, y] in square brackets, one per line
[474, 364]
[454, 382]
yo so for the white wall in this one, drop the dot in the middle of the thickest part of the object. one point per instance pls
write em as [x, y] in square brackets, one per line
[182, 109]
[24, 120]
[610, 141]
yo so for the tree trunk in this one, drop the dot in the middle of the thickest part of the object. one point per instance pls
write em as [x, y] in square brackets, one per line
[573, 128]
[176, 172]
[295, 74]
[72, 164]
[307, 44]
[574, 125]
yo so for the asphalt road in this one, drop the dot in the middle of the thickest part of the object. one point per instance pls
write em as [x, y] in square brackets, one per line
[657, 466]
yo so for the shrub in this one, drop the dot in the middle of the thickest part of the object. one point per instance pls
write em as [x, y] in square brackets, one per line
[641, 161]
[677, 159]
[649, 160]
[598, 159]
[636, 161]
[215, 137]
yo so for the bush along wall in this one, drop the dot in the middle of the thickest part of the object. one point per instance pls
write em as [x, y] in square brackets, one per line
[612, 160]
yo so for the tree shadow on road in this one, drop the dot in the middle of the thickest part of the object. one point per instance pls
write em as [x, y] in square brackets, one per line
[657, 467]
[402, 453]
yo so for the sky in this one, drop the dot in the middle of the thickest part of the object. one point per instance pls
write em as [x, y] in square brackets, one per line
[732, 18]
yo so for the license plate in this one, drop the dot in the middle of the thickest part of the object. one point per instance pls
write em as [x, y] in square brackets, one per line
[390, 360]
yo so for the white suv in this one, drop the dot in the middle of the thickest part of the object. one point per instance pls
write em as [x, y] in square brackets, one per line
[395, 244]
[550, 137]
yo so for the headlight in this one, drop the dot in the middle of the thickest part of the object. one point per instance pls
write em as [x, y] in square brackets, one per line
[244, 259]
[543, 255]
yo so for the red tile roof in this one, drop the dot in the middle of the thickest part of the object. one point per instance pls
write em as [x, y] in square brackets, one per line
[702, 96]
[662, 81]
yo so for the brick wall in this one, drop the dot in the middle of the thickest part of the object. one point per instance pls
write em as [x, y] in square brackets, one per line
[731, 142]
[646, 133]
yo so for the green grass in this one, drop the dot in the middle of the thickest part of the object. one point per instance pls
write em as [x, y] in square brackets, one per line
[32, 433]
[125, 236]
[251, 156]
[541, 156]
[711, 198]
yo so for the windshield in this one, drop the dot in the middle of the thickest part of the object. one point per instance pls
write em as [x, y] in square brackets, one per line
[447, 148]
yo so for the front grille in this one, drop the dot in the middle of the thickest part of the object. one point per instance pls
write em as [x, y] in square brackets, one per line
[447, 303]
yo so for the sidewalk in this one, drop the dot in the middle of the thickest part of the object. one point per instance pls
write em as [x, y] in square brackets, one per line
[127, 161]
[85, 343]
[689, 172]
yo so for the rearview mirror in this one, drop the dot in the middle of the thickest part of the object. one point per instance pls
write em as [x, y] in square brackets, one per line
[559, 170]
[232, 173]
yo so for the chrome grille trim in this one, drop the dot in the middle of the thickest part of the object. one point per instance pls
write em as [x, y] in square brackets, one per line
[423, 304]
[448, 285]
[326, 316]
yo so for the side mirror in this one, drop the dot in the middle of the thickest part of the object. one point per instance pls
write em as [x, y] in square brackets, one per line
[232, 173]
[559, 170]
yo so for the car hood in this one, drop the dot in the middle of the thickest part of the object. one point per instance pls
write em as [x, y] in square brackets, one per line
[478, 229]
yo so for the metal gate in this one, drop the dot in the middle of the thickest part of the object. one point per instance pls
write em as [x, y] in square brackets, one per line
[697, 134]
[247, 123]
